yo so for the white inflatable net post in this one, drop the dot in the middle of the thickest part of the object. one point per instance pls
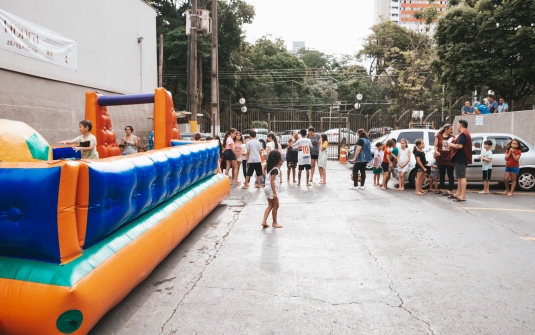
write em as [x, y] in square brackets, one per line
[140, 117]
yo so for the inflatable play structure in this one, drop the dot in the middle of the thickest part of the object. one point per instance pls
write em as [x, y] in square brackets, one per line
[76, 236]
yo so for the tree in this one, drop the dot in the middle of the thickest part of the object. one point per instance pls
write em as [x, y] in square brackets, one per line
[402, 59]
[487, 43]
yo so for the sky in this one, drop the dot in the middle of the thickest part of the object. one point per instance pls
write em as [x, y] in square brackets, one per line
[332, 26]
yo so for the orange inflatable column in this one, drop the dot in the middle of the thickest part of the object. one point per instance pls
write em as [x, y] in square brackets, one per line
[165, 125]
[102, 128]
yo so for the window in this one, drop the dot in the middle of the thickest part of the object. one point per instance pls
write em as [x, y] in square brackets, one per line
[411, 136]
[498, 144]
[477, 144]
[523, 147]
[431, 139]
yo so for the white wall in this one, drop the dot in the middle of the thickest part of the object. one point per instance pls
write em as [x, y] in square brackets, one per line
[106, 32]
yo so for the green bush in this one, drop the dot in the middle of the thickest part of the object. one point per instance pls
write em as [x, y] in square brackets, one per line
[259, 124]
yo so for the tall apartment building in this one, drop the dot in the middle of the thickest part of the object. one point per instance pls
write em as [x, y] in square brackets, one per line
[402, 11]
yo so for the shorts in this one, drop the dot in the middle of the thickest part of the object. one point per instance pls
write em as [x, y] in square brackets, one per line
[459, 170]
[291, 165]
[377, 170]
[487, 174]
[512, 169]
[385, 166]
[434, 175]
[269, 192]
[314, 156]
[229, 155]
[254, 167]
[419, 169]
[305, 167]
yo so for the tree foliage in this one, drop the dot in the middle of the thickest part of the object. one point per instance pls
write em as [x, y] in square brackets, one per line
[488, 43]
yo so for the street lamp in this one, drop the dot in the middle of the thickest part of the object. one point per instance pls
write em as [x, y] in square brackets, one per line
[243, 109]
[358, 98]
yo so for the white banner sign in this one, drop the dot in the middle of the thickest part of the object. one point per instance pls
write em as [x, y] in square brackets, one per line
[28, 39]
[479, 120]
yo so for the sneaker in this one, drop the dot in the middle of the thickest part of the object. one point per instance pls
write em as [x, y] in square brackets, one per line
[354, 187]
[361, 187]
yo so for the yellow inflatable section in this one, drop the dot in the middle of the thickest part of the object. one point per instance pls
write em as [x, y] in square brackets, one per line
[21, 143]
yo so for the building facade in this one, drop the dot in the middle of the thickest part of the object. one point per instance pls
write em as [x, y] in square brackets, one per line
[402, 11]
[296, 45]
[116, 54]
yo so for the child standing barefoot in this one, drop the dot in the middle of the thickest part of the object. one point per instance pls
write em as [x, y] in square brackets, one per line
[486, 165]
[403, 163]
[420, 165]
[512, 167]
[322, 159]
[272, 187]
[377, 160]
[433, 177]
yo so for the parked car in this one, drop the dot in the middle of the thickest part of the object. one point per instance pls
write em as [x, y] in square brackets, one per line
[348, 136]
[378, 132]
[261, 133]
[411, 135]
[526, 177]
[285, 137]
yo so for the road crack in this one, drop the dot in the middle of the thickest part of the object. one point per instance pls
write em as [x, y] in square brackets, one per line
[391, 286]
[217, 246]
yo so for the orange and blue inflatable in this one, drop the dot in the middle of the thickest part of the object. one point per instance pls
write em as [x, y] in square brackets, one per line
[77, 236]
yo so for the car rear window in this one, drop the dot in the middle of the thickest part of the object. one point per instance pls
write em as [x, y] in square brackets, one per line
[410, 136]
[431, 138]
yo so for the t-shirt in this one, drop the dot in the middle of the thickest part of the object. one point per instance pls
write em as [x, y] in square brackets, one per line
[324, 144]
[274, 172]
[395, 151]
[80, 141]
[303, 145]
[503, 107]
[492, 106]
[253, 147]
[486, 154]
[378, 158]
[482, 109]
[433, 165]
[386, 157]
[271, 146]
[460, 156]
[468, 110]
[420, 154]
[315, 145]
[230, 141]
[511, 161]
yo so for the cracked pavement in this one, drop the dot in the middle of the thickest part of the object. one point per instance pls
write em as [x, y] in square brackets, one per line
[346, 262]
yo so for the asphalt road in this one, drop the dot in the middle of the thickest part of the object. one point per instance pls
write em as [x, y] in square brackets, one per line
[346, 262]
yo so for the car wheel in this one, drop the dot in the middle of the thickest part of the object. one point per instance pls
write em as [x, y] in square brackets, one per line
[412, 180]
[369, 166]
[526, 180]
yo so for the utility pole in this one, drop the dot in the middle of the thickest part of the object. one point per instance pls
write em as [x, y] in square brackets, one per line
[160, 66]
[216, 125]
[193, 67]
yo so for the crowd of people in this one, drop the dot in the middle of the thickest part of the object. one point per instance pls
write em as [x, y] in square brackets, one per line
[308, 150]
[489, 106]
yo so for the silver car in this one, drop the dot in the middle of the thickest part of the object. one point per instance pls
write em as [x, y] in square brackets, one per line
[285, 137]
[526, 177]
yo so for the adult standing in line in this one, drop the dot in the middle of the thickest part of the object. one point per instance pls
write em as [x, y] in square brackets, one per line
[291, 156]
[254, 161]
[130, 141]
[363, 155]
[314, 151]
[503, 107]
[443, 157]
[230, 155]
[462, 156]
